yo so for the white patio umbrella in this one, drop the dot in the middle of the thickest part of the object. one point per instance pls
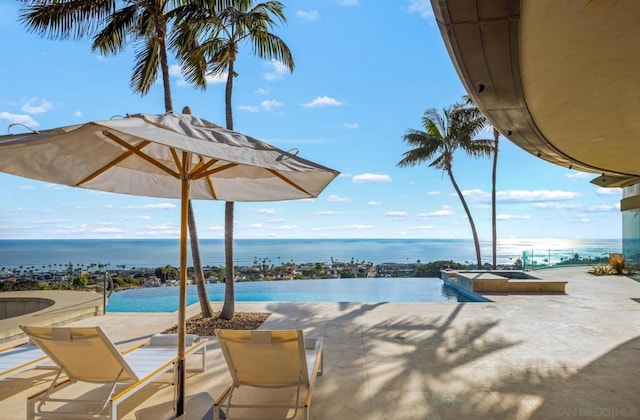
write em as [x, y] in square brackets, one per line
[170, 156]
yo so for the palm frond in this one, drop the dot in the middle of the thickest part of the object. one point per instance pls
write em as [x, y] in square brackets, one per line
[269, 46]
[145, 71]
[64, 19]
[113, 37]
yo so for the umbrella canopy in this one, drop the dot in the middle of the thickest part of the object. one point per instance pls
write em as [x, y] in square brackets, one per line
[140, 155]
[170, 156]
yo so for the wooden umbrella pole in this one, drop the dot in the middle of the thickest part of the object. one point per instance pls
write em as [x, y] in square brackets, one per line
[182, 302]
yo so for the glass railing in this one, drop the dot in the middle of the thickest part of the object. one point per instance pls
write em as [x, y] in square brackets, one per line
[537, 259]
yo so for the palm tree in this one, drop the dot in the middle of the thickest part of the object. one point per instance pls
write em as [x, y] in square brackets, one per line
[494, 171]
[208, 42]
[496, 138]
[143, 22]
[445, 134]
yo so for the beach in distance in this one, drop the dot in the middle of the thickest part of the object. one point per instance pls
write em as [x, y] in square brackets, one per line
[149, 253]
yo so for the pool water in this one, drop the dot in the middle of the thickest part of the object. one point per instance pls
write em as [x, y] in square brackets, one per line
[165, 299]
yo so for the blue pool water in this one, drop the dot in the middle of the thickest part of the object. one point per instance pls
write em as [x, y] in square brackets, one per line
[165, 299]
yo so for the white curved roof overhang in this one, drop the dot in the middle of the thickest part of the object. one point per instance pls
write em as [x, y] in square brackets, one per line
[561, 79]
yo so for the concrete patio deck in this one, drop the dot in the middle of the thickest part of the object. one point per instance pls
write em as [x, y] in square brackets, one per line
[517, 357]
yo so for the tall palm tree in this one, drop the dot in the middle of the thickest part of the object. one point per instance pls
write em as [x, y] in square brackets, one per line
[207, 42]
[445, 134]
[143, 22]
[494, 171]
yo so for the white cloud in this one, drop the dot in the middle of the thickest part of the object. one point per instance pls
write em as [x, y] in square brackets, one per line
[250, 108]
[215, 227]
[77, 114]
[422, 7]
[143, 217]
[337, 199]
[327, 213]
[19, 119]
[351, 126]
[374, 203]
[278, 70]
[266, 211]
[367, 178]
[27, 187]
[266, 105]
[577, 175]
[176, 71]
[513, 216]
[433, 192]
[159, 206]
[256, 225]
[308, 15]
[517, 196]
[348, 2]
[30, 108]
[345, 175]
[286, 227]
[270, 104]
[322, 101]
[216, 78]
[422, 227]
[107, 230]
[444, 211]
[358, 227]
[555, 206]
[609, 191]
[277, 220]
[262, 91]
[160, 227]
[601, 207]
[397, 214]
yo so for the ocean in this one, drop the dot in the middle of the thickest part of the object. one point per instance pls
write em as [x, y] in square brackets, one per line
[151, 253]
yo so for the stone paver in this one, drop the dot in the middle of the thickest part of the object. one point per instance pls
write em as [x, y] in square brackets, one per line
[518, 357]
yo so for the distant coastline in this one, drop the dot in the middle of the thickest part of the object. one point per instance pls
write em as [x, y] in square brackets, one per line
[151, 253]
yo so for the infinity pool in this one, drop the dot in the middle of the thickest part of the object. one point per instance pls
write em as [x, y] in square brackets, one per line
[165, 299]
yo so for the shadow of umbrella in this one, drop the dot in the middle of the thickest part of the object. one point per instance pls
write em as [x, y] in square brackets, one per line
[168, 156]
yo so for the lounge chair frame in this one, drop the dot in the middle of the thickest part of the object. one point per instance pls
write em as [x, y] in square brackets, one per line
[135, 377]
[259, 345]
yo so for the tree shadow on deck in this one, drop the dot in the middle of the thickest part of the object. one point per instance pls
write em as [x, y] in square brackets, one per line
[449, 364]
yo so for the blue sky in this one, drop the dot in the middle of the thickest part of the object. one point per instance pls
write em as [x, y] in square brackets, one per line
[365, 73]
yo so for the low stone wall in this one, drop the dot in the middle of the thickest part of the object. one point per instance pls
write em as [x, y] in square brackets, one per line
[16, 306]
[46, 309]
[500, 282]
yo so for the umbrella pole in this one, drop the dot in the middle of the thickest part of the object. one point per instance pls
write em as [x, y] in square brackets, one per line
[182, 303]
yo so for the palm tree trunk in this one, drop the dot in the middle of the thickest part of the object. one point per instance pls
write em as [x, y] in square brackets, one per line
[228, 307]
[203, 297]
[164, 66]
[466, 209]
[494, 233]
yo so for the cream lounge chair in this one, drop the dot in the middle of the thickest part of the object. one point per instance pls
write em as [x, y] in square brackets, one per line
[86, 354]
[16, 359]
[270, 359]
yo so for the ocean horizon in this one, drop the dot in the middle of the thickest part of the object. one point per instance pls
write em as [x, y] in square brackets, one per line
[151, 253]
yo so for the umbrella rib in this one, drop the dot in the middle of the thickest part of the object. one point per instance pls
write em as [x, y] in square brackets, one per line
[203, 167]
[142, 155]
[290, 182]
[112, 164]
[218, 169]
[176, 159]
